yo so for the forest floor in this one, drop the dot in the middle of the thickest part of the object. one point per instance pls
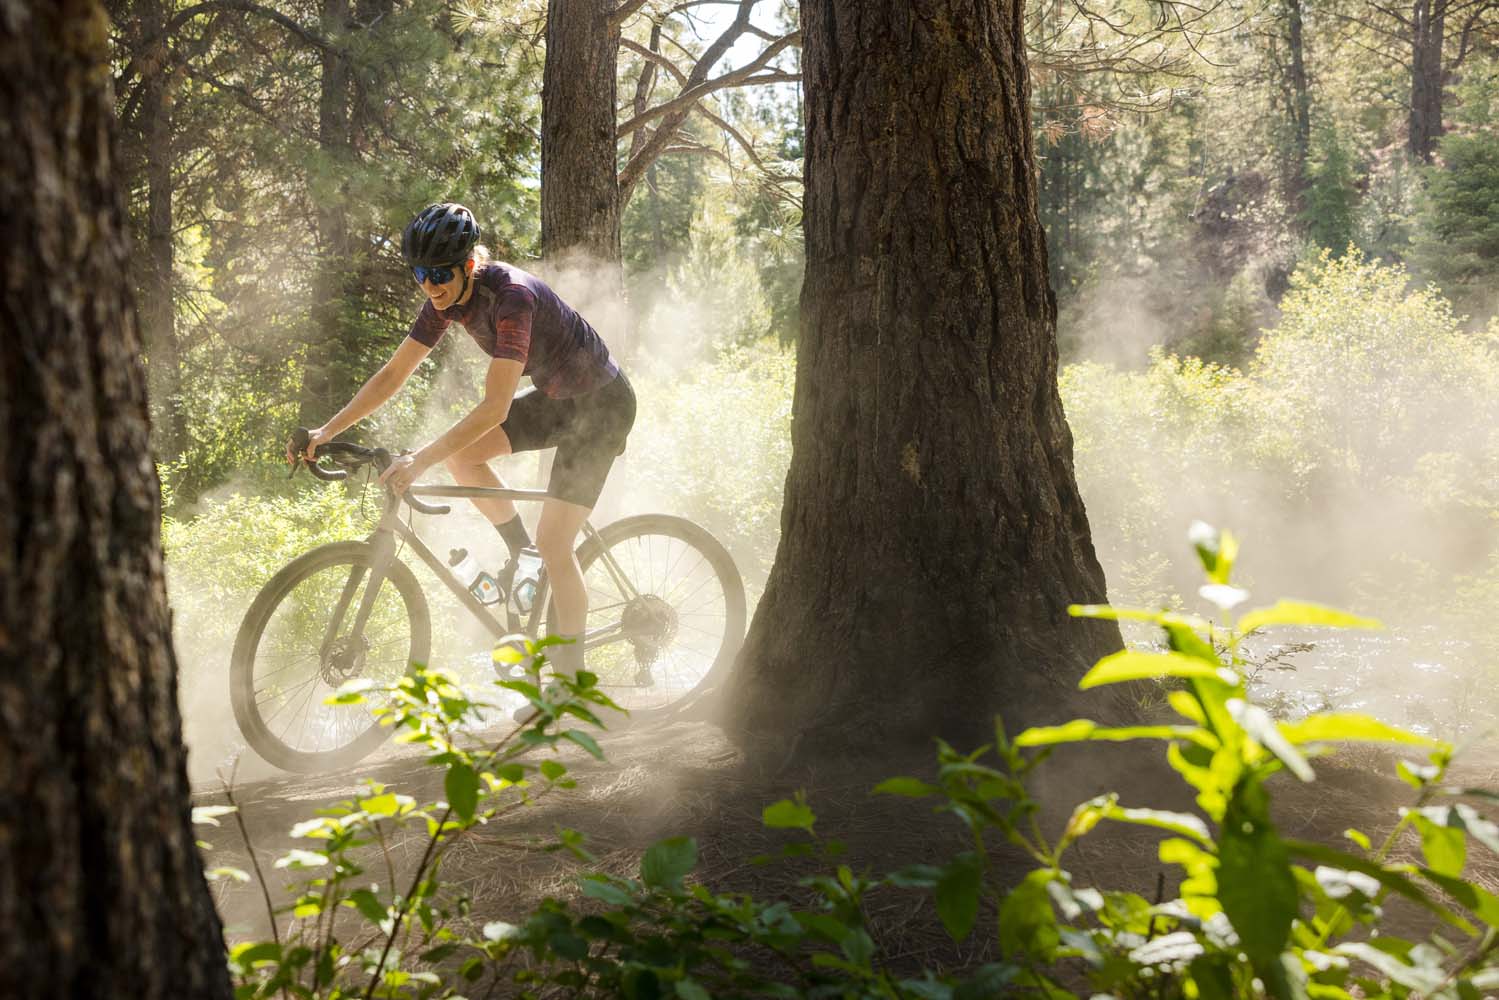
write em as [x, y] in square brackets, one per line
[687, 779]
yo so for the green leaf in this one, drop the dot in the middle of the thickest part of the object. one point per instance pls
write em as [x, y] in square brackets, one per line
[1185, 640]
[1255, 884]
[667, 862]
[1302, 613]
[381, 805]
[209, 814]
[990, 981]
[1393, 880]
[911, 788]
[788, 815]
[252, 952]
[1183, 823]
[1186, 706]
[1422, 979]
[916, 877]
[1027, 923]
[1349, 727]
[369, 905]
[223, 872]
[601, 888]
[1257, 722]
[585, 741]
[1162, 618]
[689, 990]
[1130, 665]
[1217, 551]
[302, 859]
[1467, 819]
[462, 788]
[1479, 901]
[958, 894]
[552, 770]
[1444, 843]
[1080, 730]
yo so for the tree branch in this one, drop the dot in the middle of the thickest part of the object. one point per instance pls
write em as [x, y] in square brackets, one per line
[212, 6]
[734, 78]
[621, 14]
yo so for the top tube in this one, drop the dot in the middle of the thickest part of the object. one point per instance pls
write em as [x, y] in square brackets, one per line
[483, 492]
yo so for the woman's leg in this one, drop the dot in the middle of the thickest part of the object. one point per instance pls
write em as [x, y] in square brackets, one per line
[470, 467]
[556, 540]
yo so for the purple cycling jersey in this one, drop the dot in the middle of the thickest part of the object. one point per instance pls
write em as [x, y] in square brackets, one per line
[512, 314]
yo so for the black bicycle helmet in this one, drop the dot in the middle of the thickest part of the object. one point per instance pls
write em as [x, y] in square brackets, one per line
[439, 235]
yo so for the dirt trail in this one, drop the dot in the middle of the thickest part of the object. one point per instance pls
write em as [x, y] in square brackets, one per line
[686, 778]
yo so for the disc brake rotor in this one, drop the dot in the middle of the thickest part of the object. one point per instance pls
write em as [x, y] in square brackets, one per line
[345, 660]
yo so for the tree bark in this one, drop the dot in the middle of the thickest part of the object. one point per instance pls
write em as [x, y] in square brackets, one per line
[330, 372]
[932, 535]
[580, 202]
[158, 308]
[1301, 103]
[1428, 30]
[101, 886]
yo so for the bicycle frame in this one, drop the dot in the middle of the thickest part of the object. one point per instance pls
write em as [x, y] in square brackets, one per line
[391, 527]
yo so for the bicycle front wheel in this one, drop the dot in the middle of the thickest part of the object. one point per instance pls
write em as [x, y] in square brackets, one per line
[666, 611]
[300, 642]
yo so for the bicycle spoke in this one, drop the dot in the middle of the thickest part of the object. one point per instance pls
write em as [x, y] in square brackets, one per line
[293, 717]
[286, 698]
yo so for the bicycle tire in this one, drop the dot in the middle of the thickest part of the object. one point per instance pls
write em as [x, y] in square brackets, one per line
[242, 673]
[616, 537]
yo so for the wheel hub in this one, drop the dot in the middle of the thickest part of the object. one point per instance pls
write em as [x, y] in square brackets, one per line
[345, 660]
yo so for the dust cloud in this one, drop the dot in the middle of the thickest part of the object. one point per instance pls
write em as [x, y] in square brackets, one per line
[1361, 541]
[654, 345]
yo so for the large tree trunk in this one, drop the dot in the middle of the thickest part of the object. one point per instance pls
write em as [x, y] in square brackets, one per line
[1428, 31]
[932, 535]
[101, 888]
[580, 203]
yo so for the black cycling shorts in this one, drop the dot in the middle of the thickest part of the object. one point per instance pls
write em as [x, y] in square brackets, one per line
[588, 432]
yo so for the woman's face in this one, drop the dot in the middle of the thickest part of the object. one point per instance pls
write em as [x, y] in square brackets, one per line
[445, 293]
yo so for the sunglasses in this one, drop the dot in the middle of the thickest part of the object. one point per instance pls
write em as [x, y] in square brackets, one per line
[437, 275]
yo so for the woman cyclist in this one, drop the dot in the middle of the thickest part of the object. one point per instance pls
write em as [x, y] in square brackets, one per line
[580, 402]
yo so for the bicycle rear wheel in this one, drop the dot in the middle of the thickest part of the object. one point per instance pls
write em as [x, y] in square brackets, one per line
[666, 611]
[297, 645]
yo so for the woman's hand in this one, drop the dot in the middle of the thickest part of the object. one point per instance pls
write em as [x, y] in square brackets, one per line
[402, 472]
[315, 437]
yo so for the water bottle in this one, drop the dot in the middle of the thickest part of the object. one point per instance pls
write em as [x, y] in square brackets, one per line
[478, 582]
[527, 573]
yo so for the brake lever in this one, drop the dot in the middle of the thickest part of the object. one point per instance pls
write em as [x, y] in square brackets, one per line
[382, 462]
[300, 436]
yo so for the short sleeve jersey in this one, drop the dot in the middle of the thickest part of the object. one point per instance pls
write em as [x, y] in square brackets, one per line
[515, 315]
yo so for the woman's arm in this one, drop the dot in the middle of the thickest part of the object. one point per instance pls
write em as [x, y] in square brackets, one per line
[381, 386]
[500, 384]
[499, 389]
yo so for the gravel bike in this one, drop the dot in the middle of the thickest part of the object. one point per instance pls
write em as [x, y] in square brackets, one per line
[666, 617]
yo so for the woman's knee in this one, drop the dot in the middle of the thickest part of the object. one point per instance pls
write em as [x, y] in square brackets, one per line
[479, 453]
[554, 548]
